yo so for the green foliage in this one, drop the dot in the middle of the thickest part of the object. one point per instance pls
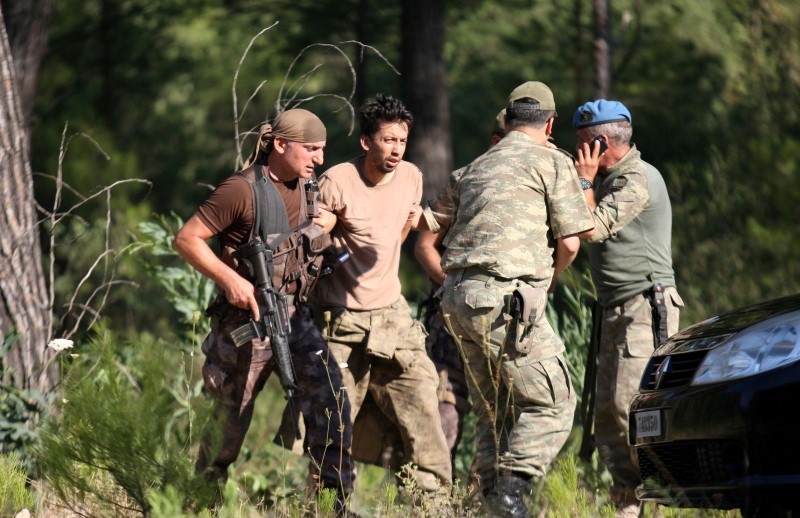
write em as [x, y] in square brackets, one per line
[564, 498]
[187, 290]
[19, 409]
[569, 312]
[14, 492]
[120, 434]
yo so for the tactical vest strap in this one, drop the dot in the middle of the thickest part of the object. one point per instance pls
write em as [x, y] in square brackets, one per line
[270, 212]
[297, 251]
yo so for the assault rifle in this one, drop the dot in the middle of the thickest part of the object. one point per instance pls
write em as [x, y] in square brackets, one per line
[274, 321]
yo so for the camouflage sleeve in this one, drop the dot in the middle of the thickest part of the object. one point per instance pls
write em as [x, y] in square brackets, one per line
[619, 203]
[440, 211]
[569, 213]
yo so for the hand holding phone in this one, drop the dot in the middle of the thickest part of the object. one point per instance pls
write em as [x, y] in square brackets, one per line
[603, 144]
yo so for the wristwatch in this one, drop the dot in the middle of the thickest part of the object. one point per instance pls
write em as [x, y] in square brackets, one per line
[586, 184]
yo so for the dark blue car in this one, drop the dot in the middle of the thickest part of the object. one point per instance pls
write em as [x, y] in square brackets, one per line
[715, 422]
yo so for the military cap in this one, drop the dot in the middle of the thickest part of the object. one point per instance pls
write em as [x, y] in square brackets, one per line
[600, 111]
[534, 90]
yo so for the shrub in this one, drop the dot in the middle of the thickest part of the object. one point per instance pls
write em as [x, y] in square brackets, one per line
[14, 492]
[125, 429]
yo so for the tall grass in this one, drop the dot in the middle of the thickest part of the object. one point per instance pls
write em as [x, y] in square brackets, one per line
[14, 492]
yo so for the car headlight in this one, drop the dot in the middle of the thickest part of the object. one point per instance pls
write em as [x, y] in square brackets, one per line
[759, 348]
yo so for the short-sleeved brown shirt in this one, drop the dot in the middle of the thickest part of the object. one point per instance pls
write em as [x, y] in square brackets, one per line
[229, 211]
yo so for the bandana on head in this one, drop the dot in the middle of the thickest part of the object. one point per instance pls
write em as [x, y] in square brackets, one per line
[297, 125]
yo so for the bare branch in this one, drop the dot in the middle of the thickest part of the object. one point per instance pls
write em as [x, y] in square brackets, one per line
[236, 116]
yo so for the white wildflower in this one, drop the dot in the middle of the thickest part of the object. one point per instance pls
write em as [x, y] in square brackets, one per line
[319, 353]
[59, 344]
[343, 365]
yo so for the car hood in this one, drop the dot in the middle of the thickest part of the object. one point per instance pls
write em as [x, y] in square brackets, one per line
[710, 332]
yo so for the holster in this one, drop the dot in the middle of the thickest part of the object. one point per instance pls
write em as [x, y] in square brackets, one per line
[524, 312]
[658, 303]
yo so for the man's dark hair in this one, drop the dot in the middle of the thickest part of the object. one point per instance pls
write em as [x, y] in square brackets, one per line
[526, 112]
[381, 109]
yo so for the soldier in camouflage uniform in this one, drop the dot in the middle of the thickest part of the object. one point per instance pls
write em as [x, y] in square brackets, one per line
[631, 262]
[518, 215]
[284, 159]
[453, 392]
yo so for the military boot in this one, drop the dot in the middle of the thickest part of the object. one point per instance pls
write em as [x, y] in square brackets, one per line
[507, 498]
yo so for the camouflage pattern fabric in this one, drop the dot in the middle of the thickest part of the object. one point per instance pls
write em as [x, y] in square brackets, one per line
[524, 401]
[383, 354]
[510, 205]
[626, 344]
[439, 211]
[236, 376]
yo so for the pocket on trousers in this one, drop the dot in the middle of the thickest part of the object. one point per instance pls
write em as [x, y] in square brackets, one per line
[485, 297]
[676, 299]
[344, 329]
[412, 346]
[639, 338]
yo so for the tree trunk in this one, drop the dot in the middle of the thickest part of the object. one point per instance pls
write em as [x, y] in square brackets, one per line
[28, 25]
[602, 49]
[24, 302]
[424, 82]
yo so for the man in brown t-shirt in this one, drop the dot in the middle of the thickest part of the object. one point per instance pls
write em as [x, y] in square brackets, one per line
[371, 330]
[284, 159]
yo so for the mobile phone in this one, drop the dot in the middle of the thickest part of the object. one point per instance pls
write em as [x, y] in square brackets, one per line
[601, 140]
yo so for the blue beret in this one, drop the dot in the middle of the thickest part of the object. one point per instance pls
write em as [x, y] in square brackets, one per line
[600, 112]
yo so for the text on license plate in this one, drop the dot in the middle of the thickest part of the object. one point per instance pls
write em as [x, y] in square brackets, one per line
[648, 424]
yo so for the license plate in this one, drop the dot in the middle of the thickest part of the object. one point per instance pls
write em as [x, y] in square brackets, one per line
[648, 424]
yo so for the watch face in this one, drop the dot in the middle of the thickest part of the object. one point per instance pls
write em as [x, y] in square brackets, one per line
[586, 184]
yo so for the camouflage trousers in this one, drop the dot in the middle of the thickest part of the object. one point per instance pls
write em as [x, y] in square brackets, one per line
[521, 395]
[235, 377]
[383, 357]
[626, 344]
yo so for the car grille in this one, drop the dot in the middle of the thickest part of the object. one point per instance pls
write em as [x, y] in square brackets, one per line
[690, 463]
[677, 373]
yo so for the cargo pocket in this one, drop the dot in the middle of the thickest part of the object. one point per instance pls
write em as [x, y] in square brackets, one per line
[412, 347]
[638, 332]
[385, 332]
[484, 297]
[344, 328]
[674, 312]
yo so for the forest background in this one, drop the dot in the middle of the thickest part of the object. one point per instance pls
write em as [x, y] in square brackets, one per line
[714, 89]
[159, 91]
